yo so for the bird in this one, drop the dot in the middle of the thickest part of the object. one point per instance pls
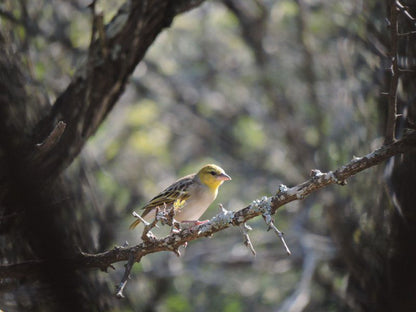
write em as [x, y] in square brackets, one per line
[190, 196]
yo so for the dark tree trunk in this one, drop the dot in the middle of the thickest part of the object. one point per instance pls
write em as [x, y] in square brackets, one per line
[401, 269]
[41, 211]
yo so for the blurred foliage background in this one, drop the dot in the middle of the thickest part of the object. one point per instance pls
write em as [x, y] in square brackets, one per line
[268, 90]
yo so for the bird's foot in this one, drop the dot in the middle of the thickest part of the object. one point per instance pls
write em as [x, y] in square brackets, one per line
[192, 224]
[195, 222]
[176, 226]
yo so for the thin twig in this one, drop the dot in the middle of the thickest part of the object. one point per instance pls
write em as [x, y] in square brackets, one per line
[390, 135]
[269, 221]
[147, 235]
[244, 229]
[128, 266]
[408, 33]
[136, 215]
[403, 9]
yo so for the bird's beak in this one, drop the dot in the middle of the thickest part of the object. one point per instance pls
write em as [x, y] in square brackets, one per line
[223, 177]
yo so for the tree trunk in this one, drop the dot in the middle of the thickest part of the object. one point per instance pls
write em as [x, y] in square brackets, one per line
[41, 211]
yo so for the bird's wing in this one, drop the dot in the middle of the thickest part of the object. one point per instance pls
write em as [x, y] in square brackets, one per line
[176, 194]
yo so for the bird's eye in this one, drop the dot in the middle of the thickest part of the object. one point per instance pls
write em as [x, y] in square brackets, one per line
[213, 173]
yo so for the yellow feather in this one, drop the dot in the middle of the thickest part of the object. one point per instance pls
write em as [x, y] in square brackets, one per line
[177, 194]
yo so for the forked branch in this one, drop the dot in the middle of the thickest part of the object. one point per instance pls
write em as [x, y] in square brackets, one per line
[225, 219]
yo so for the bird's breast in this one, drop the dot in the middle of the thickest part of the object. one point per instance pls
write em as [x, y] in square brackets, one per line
[196, 204]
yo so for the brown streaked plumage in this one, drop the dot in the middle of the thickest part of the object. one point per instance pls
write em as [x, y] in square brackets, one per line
[190, 196]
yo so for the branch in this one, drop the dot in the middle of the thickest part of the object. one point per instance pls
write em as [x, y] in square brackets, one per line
[247, 242]
[269, 221]
[226, 219]
[126, 276]
[114, 52]
[403, 10]
[395, 73]
[252, 19]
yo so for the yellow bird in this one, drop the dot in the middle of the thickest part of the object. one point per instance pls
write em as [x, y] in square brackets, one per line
[189, 196]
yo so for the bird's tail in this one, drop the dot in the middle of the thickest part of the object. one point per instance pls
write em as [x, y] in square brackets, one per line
[134, 224]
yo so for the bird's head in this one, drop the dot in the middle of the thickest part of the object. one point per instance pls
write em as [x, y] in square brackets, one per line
[212, 176]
